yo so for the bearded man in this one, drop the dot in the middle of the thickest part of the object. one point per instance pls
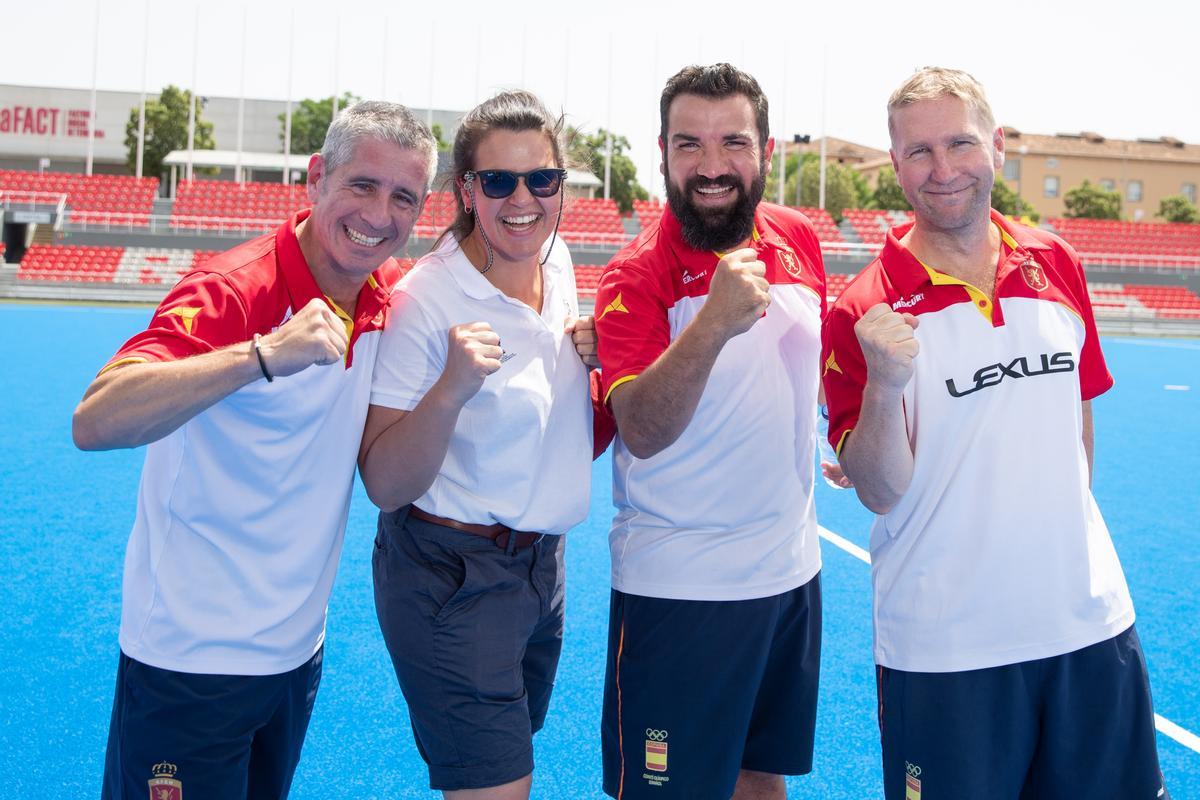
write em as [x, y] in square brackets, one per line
[709, 337]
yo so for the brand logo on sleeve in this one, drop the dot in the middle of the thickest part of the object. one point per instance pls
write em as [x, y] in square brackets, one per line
[188, 315]
[616, 306]
[689, 277]
[994, 374]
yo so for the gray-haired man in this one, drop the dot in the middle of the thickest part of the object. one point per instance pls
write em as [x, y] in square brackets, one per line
[250, 386]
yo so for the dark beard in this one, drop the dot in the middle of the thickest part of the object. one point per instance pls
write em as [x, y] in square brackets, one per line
[719, 229]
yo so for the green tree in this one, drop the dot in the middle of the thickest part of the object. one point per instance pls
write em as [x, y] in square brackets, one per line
[1006, 201]
[790, 170]
[888, 195]
[1092, 202]
[442, 145]
[840, 189]
[310, 122]
[588, 151]
[1178, 208]
[166, 130]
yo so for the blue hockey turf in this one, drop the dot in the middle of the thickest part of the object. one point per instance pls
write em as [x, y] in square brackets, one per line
[67, 517]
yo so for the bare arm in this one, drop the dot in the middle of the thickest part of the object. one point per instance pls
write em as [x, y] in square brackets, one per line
[402, 451]
[138, 403]
[876, 455]
[1089, 438]
[653, 410]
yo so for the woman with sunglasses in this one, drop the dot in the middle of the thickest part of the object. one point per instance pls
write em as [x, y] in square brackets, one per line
[478, 449]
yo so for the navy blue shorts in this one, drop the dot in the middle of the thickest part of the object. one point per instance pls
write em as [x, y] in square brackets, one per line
[697, 691]
[215, 736]
[1072, 726]
[474, 634]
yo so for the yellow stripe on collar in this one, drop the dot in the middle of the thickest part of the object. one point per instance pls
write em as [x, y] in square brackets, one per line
[980, 300]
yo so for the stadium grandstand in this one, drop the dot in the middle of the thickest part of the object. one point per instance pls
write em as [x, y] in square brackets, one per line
[110, 236]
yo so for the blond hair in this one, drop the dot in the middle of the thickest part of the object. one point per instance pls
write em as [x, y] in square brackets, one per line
[929, 83]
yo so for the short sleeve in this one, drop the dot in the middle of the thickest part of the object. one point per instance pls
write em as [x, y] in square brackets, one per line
[843, 373]
[201, 313]
[412, 354]
[1094, 377]
[631, 324]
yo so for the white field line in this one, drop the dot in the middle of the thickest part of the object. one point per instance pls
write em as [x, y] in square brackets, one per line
[1164, 725]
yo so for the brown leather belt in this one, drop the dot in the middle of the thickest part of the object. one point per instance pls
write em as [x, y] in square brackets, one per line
[499, 534]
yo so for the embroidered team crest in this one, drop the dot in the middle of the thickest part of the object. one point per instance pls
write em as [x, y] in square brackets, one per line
[912, 782]
[163, 785]
[1034, 275]
[790, 263]
[656, 750]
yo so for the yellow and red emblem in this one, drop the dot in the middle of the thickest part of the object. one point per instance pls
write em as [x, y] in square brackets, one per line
[164, 786]
[656, 750]
[790, 263]
[1034, 275]
[912, 781]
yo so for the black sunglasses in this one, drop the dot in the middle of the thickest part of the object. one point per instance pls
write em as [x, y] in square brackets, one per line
[500, 183]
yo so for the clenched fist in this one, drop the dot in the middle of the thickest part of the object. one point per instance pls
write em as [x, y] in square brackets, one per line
[583, 335]
[738, 294]
[473, 354]
[314, 335]
[888, 346]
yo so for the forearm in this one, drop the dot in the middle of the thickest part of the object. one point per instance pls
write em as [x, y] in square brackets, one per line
[402, 461]
[135, 404]
[876, 455]
[653, 410]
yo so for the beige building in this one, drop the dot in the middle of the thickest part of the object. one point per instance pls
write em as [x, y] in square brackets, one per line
[1042, 169]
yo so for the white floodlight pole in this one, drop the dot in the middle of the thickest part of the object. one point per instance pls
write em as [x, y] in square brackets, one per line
[287, 122]
[383, 83]
[337, 53]
[608, 144]
[432, 50]
[141, 139]
[91, 131]
[241, 123]
[824, 110]
[781, 137]
[195, 94]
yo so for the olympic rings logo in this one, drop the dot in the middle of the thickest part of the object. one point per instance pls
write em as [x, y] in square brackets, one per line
[655, 736]
[912, 769]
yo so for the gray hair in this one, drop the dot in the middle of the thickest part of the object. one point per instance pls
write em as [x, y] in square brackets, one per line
[388, 122]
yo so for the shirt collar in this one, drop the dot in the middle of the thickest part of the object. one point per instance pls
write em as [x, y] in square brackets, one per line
[908, 274]
[473, 282]
[302, 287]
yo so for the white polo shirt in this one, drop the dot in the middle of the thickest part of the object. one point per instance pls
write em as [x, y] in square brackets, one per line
[726, 511]
[997, 553]
[521, 452]
[242, 509]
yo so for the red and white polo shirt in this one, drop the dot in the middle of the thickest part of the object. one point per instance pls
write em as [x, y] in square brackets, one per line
[997, 553]
[242, 510]
[726, 512]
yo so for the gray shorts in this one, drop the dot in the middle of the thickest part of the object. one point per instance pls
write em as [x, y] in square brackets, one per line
[474, 635]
